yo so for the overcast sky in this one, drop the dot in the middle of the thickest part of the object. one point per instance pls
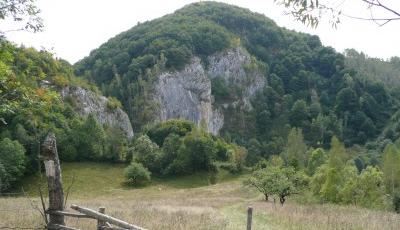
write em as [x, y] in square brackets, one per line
[75, 27]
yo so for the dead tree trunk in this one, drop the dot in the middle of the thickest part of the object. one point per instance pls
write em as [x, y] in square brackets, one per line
[51, 161]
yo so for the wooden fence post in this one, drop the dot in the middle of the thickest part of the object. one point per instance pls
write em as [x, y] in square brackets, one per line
[51, 161]
[101, 223]
[249, 217]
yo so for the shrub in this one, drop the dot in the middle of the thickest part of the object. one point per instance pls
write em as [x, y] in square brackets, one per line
[113, 103]
[12, 160]
[160, 131]
[137, 174]
[60, 81]
[147, 153]
[69, 153]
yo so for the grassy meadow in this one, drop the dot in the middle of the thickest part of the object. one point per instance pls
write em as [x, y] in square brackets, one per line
[183, 203]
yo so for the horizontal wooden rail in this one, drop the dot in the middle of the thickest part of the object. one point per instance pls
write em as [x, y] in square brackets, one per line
[62, 213]
[60, 227]
[106, 218]
[113, 228]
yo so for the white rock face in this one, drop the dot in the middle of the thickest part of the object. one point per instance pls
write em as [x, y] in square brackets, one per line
[230, 65]
[186, 94]
[88, 102]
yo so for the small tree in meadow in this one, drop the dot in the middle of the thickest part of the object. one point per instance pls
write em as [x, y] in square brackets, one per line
[279, 181]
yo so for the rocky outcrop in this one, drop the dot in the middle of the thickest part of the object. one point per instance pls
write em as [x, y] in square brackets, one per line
[187, 94]
[88, 102]
[236, 66]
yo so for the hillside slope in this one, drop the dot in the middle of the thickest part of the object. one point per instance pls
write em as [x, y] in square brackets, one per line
[39, 94]
[238, 74]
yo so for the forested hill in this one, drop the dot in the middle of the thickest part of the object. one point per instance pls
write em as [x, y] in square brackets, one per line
[286, 79]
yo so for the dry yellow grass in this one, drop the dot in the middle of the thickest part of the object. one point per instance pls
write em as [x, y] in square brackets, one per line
[221, 206]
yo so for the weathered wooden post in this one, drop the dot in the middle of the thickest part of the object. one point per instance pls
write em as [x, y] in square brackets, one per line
[249, 217]
[100, 223]
[49, 155]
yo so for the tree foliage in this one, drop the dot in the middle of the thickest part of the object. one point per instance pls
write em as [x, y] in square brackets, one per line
[137, 174]
[278, 181]
[312, 11]
[12, 163]
[24, 13]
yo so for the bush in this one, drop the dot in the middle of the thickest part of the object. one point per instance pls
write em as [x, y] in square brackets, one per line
[60, 81]
[113, 103]
[198, 152]
[147, 153]
[137, 174]
[69, 153]
[12, 162]
[160, 131]
[228, 166]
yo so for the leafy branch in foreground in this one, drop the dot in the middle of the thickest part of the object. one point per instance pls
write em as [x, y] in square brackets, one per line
[22, 12]
[310, 12]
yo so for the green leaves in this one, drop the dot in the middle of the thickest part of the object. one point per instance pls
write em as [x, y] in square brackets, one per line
[137, 174]
[277, 181]
[12, 163]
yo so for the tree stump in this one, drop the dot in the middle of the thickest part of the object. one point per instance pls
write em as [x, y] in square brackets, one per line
[49, 155]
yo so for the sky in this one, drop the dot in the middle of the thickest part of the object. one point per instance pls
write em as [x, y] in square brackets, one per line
[75, 27]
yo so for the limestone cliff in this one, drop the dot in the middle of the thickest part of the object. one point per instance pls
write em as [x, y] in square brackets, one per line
[187, 93]
[88, 102]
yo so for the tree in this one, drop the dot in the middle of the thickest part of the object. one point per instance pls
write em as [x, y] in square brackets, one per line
[170, 150]
[147, 153]
[91, 139]
[137, 174]
[198, 151]
[12, 95]
[365, 189]
[295, 152]
[299, 114]
[115, 144]
[318, 157]
[12, 162]
[254, 152]
[390, 168]
[346, 100]
[279, 181]
[310, 12]
[239, 156]
[264, 180]
[372, 188]
[160, 131]
[328, 177]
[23, 12]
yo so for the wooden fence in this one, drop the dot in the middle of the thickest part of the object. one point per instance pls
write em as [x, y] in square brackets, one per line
[54, 214]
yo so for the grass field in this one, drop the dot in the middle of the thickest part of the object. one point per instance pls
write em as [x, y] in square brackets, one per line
[185, 203]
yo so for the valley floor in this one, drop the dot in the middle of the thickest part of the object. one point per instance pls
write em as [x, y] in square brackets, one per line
[185, 203]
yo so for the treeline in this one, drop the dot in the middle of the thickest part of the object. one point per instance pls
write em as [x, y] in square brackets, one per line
[371, 68]
[30, 107]
[329, 175]
[178, 147]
